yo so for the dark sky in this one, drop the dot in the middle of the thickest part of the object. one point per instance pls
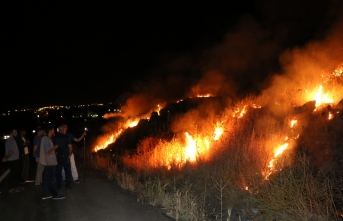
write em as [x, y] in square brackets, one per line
[76, 53]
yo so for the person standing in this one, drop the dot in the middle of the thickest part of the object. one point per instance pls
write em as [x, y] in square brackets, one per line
[12, 158]
[48, 159]
[71, 137]
[63, 157]
[23, 145]
[36, 153]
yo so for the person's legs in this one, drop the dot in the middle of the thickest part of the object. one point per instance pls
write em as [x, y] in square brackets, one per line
[67, 173]
[63, 174]
[39, 172]
[20, 172]
[73, 168]
[26, 164]
[11, 175]
[15, 173]
[59, 174]
[51, 183]
[46, 175]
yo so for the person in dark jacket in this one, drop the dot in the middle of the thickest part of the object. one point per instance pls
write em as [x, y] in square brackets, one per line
[63, 154]
[23, 144]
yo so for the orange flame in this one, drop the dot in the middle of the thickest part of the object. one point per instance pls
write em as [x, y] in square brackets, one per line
[239, 113]
[191, 152]
[218, 132]
[278, 152]
[178, 153]
[321, 98]
[330, 116]
[293, 123]
[133, 123]
[104, 141]
[204, 95]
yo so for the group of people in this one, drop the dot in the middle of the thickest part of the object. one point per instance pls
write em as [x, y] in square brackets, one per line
[54, 156]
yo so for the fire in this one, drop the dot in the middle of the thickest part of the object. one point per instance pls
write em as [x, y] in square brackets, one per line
[280, 150]
[293, 123]
[158, 109]
[133, 123]
[330, 117]
[191, 148]
[277, 152]
[185, 149]
[200, 145]
[103, 142]
[218, 132]
[239, 113]
[204, 95]
[321, 98]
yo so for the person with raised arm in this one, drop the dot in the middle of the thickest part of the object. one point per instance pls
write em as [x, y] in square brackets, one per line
[71, 137]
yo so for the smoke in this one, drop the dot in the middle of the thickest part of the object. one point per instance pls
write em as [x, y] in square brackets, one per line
[305, 68]
[268, 50]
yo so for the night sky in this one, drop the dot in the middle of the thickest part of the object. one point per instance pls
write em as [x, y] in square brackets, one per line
[56, 54]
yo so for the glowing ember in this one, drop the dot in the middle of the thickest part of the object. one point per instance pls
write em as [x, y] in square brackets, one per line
[239, 113]
[158, 109]
[205, 95]
[256, 106]
[321, 98]
[338, 72]
[330, 117]
[293, 122]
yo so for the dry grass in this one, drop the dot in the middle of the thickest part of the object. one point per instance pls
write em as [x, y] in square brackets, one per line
[297, 193]
[127, 181]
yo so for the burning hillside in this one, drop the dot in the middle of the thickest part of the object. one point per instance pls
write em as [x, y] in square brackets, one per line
[233, 120]
[200, 128]
[197, 133]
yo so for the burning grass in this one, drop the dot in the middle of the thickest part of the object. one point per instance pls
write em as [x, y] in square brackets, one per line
[253, 171]
[272, 157]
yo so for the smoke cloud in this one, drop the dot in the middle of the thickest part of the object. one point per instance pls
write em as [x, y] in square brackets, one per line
[280, 47]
